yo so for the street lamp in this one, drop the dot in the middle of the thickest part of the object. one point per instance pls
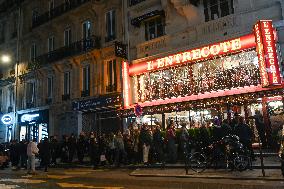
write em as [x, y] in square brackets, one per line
[5, 58]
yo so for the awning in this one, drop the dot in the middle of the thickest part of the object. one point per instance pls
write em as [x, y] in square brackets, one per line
[102, 103]
[137, 21]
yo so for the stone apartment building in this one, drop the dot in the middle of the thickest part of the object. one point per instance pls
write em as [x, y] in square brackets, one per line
[64, 73]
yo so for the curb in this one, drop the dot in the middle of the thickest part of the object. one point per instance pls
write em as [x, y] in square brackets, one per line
[207, 177]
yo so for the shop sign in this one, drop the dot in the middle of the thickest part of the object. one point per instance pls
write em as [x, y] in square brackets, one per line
[138, 110]
[29, 117]
[125, 79]
[7, 119]
[267, 54]
[195, 55]
[96, 103]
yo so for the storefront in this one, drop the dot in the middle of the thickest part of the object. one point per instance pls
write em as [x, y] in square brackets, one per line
[34, 125]
[99, 114]
[216, 81]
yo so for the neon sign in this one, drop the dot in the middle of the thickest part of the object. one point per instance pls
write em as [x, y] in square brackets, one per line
[29, 117]
[125, 76]
[269, 51]
[195, 55]
[7, 119]
[260, 54]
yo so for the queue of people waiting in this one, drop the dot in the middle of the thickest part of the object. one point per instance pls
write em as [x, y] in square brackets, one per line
[139, 144]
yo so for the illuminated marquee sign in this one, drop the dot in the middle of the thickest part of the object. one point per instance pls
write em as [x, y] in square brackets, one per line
[7, 119]
[125, 76]
[195, 55]
[267, 54]
[29, 117]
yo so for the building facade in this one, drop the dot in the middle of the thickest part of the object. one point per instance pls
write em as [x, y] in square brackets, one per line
[195, 61]
[64, 76]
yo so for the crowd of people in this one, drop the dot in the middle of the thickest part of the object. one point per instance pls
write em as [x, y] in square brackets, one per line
[138, 144]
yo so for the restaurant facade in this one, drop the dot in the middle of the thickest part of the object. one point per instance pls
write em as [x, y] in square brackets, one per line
[240, 76]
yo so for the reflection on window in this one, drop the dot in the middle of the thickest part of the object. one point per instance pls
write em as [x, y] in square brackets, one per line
[219, 74]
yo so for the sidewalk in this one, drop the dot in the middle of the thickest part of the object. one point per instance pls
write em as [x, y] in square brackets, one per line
[256, 174]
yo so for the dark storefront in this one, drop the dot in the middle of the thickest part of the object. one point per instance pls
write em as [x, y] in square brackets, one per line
[100, 114]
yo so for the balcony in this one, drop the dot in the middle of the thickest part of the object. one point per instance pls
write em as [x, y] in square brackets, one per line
[134, 2]
[48, 101]
[85, 93]
[75, 48]
[111, 88]
[57, 11]
[66, 97]
[110, 38]
[29, 105]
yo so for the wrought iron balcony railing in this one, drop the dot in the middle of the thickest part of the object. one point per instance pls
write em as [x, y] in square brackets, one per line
[134, 2]
[111, 88]
[75, 48]
[66, 97]
[57, 11]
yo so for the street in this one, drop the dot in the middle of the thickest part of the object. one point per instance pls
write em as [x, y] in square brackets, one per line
[120, 179]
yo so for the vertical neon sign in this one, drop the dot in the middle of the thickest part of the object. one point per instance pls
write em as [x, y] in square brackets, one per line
[125, 80]
[266, 49]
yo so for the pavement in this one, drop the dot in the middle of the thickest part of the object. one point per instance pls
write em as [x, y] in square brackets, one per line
[121, 179]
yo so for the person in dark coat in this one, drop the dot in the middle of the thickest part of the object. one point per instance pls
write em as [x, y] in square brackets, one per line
[81, 147]
[171, 145]
[94, 151]
[64, 151]
[260, 127]
[14, 154]
[71, 146]
[23, 153]
[54, 149]
[244, 132]
[158, 144]
[45, 153]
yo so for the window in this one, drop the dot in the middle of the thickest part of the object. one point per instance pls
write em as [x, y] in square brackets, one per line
[51, 6]
[110, 25]
[86, 78]
[50, 44]
[67, 37]
[49, 87]
[35, 15]
[30, 93]
[112, 75]
[2, 33]
[11, 96]
[154, 28]
[86, 29]
[214, 9]
[66, 83]
[33, 52]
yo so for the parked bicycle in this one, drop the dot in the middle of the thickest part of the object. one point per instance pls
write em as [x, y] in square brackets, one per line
[228, 151]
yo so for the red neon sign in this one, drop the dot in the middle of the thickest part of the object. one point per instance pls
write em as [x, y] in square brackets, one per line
[269, 50]
[125, 79]
[195, 55]
[260, 54]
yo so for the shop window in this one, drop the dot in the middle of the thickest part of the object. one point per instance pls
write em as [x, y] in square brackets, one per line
[154, 28]
[50, 44]
[67, 37]
[110, 25]
[214, 9]
[66, 83]
[86, 80]
[86, 29]
[112, 76]
[33, 52]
